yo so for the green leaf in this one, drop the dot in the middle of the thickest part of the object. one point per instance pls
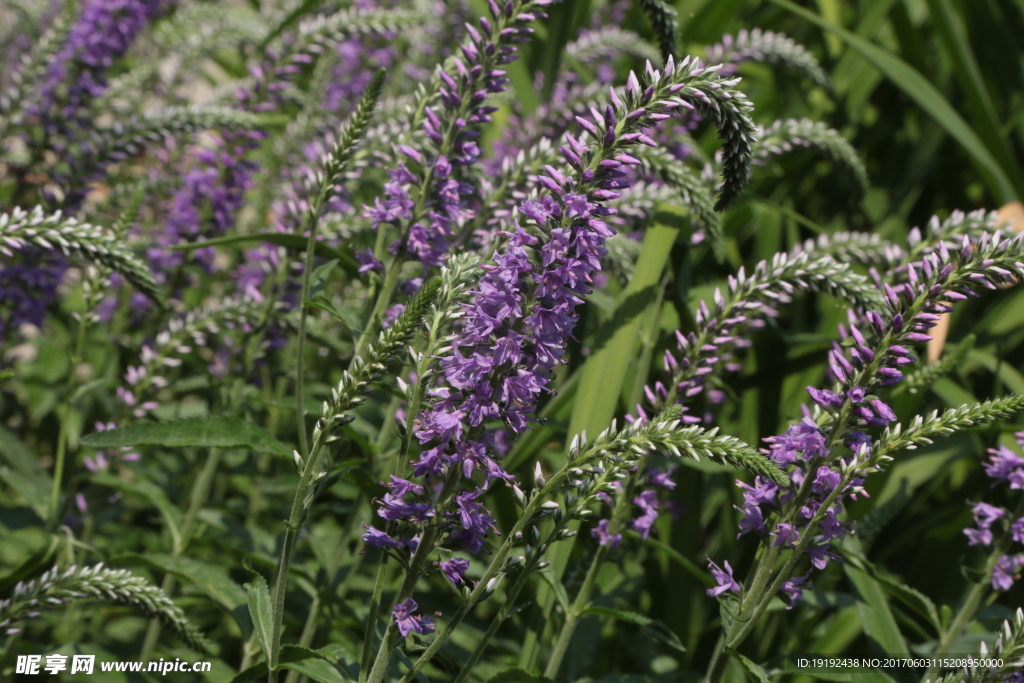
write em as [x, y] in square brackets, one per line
[754, 671]
[214, 431]
[919, 89]
[6, 375]
[209, 578]
[911, 597]
[310, 663]
[689, 565]
[28, 568]
[319, 277]
[559, 590]
[261, 610]
[151, 492]
[952, 31]
[20, 468]
[289, 241]
[342, 314]
[517, 676]
[605, 370]
[879, 622]
[652, 627]
[316, 664]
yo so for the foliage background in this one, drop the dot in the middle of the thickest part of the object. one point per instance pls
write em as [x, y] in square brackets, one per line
[931, 95]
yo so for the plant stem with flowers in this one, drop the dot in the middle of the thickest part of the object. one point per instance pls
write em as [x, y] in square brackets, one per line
[424, 225]
[614, 452]
[914, 306]
[1001, 568]
[514, 334]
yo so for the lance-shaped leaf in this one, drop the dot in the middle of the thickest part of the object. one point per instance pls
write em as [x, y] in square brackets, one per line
[215, 431]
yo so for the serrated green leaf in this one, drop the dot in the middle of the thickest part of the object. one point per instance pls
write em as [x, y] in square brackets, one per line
[673, 554]
[342, 314]
[209, 578]
[557, 588]
[151, 492]
[316, 664]
[652, 627]
[214, 431]
[20, 468]
[261, 609]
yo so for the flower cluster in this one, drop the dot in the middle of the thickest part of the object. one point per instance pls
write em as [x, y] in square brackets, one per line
[515, 332]
[179, 337]
[647, 504]
[411, 623]
[808, 515]
[427, 191]
[723, 328]
[27, 288]
[1004, 466]
[103, 32]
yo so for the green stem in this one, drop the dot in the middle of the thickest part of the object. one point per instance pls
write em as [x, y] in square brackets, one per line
[574, 613]
[371, 620]
[499, 619]
[292, 527]
[497, 563]
[62, 434]
[394, 269]
[974, 599]
[412, 411]
[310, 222]
[416, 566]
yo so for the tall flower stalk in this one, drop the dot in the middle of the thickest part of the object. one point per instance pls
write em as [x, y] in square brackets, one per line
[424, 197]
[514, 334]
[829, 453]
[334, 167]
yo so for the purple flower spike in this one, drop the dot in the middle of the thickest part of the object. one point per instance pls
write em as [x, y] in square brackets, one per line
[648, 504]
